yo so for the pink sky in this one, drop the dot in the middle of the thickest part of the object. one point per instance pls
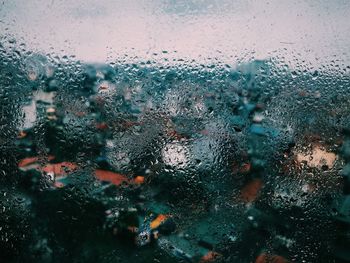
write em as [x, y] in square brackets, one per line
[100, 31]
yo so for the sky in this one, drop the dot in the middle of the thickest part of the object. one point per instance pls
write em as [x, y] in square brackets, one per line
[225, 30]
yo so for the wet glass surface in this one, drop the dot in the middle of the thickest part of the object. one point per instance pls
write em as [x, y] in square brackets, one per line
[174, 131]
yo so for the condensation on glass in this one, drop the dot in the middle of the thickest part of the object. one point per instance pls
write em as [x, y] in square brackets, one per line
[174, 131]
